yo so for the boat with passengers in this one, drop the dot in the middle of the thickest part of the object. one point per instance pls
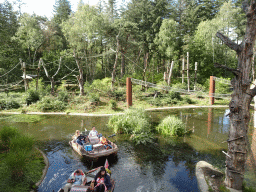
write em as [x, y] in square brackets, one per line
[92, 146]
[88, 177]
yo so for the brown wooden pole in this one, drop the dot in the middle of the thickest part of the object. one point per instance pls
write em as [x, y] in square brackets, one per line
[212, 90]
[188, 71]
[129, 91]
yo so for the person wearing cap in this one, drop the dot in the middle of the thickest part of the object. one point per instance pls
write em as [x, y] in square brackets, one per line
[102, 181]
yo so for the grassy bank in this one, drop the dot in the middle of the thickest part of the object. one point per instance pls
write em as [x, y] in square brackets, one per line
[21, 165]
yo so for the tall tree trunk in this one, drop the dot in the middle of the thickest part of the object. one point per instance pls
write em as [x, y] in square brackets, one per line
[122, 64]
[240, 101]
[79, 77]
[115, 64]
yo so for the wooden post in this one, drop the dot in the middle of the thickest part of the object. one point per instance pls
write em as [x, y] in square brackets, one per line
[37, 75]
[195, 75]
[25, 78]
[128, 92]
[170, 73]
[188, 71]
[212, 90]
[183, 67]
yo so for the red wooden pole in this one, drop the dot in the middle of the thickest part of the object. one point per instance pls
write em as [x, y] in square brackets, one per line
[212, 90]
[128, 92]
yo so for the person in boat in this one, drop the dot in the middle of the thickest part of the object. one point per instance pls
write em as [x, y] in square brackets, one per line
[76, 179]
[105, 142]
[102, 181]
[93, 132]
[77, 133]
[81, 139]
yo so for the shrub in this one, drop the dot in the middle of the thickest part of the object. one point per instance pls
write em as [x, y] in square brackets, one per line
[94, 98]
[32, 97]
[103, 85]
[112, 104]
[63, 96]
[134, 121]
[143, 139]
[175, 95]
[187, 100]
[6, 134]
[49, 103]
[171, 125]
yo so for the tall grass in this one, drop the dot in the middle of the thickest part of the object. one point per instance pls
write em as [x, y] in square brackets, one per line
[172, 126]
[19, 150]
[134, 121]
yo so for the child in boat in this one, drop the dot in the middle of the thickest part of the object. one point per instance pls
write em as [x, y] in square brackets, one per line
[105, 142]
[77, 133]
[76, 179]
[102, 181]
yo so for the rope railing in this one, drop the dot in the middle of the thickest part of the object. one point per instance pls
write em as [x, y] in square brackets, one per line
[183, 91]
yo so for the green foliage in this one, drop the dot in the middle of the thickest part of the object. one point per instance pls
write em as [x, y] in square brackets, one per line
[6, 134]
[49, 103]
[63, 96]
[103, 85]
[32, 96]
[172, 126]
[9, 104]
[222, 87]
[143, 139]
[94, 98]
[112, 104]
[134, 121]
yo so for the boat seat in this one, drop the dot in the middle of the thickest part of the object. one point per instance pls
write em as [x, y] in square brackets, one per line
[94, 140]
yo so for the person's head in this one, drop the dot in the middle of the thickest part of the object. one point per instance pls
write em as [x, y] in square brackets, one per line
[78, 172]
[93, 128]
[102, 171]
[77, 132]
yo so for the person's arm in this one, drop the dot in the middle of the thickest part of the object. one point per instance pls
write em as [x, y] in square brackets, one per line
[107, 182]
[85, 181]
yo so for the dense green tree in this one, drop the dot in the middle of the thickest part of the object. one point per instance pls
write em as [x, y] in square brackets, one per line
[9, 51]
[30, 34]
[62, 10]
[83, 31]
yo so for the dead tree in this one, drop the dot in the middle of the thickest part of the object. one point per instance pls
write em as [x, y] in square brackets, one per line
[115, 64]
[51, 78]
[80, 77]
[240, 100]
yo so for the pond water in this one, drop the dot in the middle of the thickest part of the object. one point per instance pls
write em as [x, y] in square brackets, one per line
[169, 165]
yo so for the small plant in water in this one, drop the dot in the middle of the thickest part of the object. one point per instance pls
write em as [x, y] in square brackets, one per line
[171, 125]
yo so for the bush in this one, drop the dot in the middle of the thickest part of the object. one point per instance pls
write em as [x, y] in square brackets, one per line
[49, 103]
[63, 96]
[94, 98]
[112, 104]
[32, 96]
[171, 125]
[103, 85]
[143, 139]
[134, 121]
[6, 134]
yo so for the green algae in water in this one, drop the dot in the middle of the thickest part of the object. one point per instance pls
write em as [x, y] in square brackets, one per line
[23, 118]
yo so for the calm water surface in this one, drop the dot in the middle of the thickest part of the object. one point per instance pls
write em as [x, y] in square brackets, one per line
[169, 165]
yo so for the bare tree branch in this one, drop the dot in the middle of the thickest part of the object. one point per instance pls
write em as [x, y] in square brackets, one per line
[253, 92]
[229, 42]
[234, 71]
[58, 68]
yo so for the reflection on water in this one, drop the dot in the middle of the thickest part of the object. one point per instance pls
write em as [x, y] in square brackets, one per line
[169, 165]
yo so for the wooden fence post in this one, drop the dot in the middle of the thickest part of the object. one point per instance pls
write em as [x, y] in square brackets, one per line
[212, 89]
[128, 92]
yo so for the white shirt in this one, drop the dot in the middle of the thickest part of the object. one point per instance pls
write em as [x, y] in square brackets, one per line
[93, 133]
